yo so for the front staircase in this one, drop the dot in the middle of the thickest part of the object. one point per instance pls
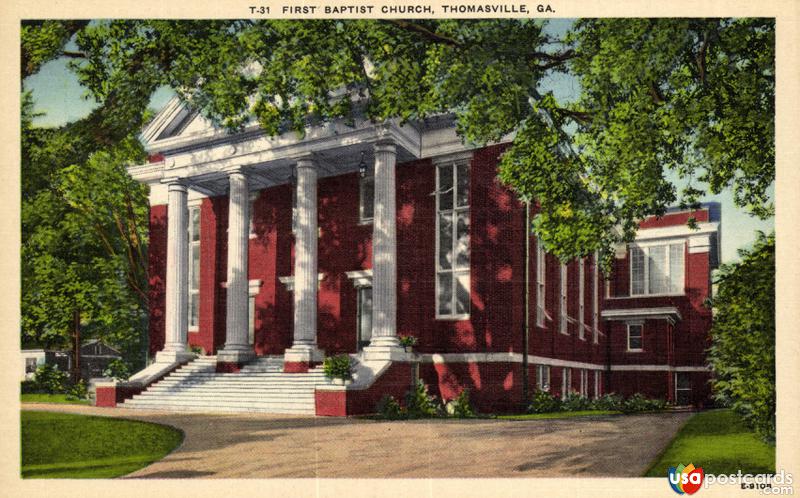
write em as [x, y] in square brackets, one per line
[260, 386]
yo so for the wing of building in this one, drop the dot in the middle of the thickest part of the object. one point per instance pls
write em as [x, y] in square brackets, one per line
[268, 254]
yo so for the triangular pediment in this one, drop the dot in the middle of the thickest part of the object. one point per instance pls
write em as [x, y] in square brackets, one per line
[174, 122]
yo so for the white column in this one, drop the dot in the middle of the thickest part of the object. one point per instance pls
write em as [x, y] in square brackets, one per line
[384, 344]
[237, 346]
[176, 313]
[304, 346]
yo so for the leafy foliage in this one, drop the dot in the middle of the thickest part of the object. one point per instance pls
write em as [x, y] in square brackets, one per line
[742, 354]
[610, 402]
[117, 369]
[338, 367]
[77, 391]
[544, 402]
[49, 379]
[575, 402]
[388, 408]
[408, 341]
[640, 403]
[460, 406]
[421, 404]
[694, 97]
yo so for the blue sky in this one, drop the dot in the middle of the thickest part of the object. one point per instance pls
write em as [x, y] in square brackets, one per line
[58, 95]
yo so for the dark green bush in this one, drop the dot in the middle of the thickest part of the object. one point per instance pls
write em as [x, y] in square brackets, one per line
[421, 404]
[29, 387]
[575, 402]
[544, 402]
[460, 406]
[610, 402]
[390, 409]
[408, 341]
[117, 369]
[49, 379]
[338, 367]
[78, 391]
[639, 403]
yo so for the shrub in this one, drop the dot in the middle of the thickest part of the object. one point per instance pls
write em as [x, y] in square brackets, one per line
[197, 350]
[117, 369]
[29, 387]
[50, 379]
[544, 402]
[610, 402]
[78, 391]
[338, 367]
[460, 406]
[408, 341]
[420, 404]
[639, 403]
[390, 409]
[575, 402]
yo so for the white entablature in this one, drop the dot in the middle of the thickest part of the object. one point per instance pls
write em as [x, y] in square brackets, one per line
[197, 152]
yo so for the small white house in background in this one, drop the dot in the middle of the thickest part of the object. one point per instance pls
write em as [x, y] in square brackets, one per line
[95, 357]
[34, 358]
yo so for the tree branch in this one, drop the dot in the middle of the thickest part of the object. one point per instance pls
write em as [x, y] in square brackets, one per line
[73, 55]
[422, 30]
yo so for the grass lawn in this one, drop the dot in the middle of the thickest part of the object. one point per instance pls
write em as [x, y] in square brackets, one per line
[62, 445]
[538, 416]
[717, 441]
[51, 398]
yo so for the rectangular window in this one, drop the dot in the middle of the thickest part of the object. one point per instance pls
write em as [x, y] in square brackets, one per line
[657, 269]
[566, 381]
[595, 301]
[563, 315]
[452, 241]
[30, 365]
[584, 382]
[540, 284]
[294, 205]
[635, 336]
[543, 377]
[366, 199]
[581, 298]
[194, 267]
[251, 320]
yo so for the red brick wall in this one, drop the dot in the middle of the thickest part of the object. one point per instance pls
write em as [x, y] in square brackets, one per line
[494, 387]
[157, 271]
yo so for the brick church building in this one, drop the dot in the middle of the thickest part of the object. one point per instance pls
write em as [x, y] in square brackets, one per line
[268, 254]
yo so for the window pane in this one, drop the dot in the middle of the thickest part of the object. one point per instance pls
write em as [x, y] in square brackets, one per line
[676, 268]
[195, 220]
[683, 380]
[445, 293]
[445, 187]
[462, 294]
[251, 320]
[367, 197]
[462, 190]
[195, 282]
[462, 241]
[657, 267]
[193, 309]
[635, 337]
[446, 241]
[637, 271]
[365, 313]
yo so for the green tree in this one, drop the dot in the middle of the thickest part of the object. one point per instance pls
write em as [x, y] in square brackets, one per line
[83, 253]
[742, 354]
[694, 97]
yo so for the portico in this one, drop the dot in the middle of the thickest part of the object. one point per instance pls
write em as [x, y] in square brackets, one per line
[259, 162]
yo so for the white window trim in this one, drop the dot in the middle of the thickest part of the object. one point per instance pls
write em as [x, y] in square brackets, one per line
[597, 379]
[563, 312]
[645, 247]
[675, 383]
[584, 382]
[453, 271]
[596, 301]
[541, 289]
[566, 381]
[641, 337]
[194, 204]
[581, 300]
[541, 370]
[253, 288]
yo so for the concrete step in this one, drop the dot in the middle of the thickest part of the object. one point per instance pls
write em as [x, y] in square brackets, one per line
[219, 409]
[246, 405]
[231, 389]
[232, 400]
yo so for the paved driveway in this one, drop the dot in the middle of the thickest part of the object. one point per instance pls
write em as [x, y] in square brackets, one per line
[258, 446]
